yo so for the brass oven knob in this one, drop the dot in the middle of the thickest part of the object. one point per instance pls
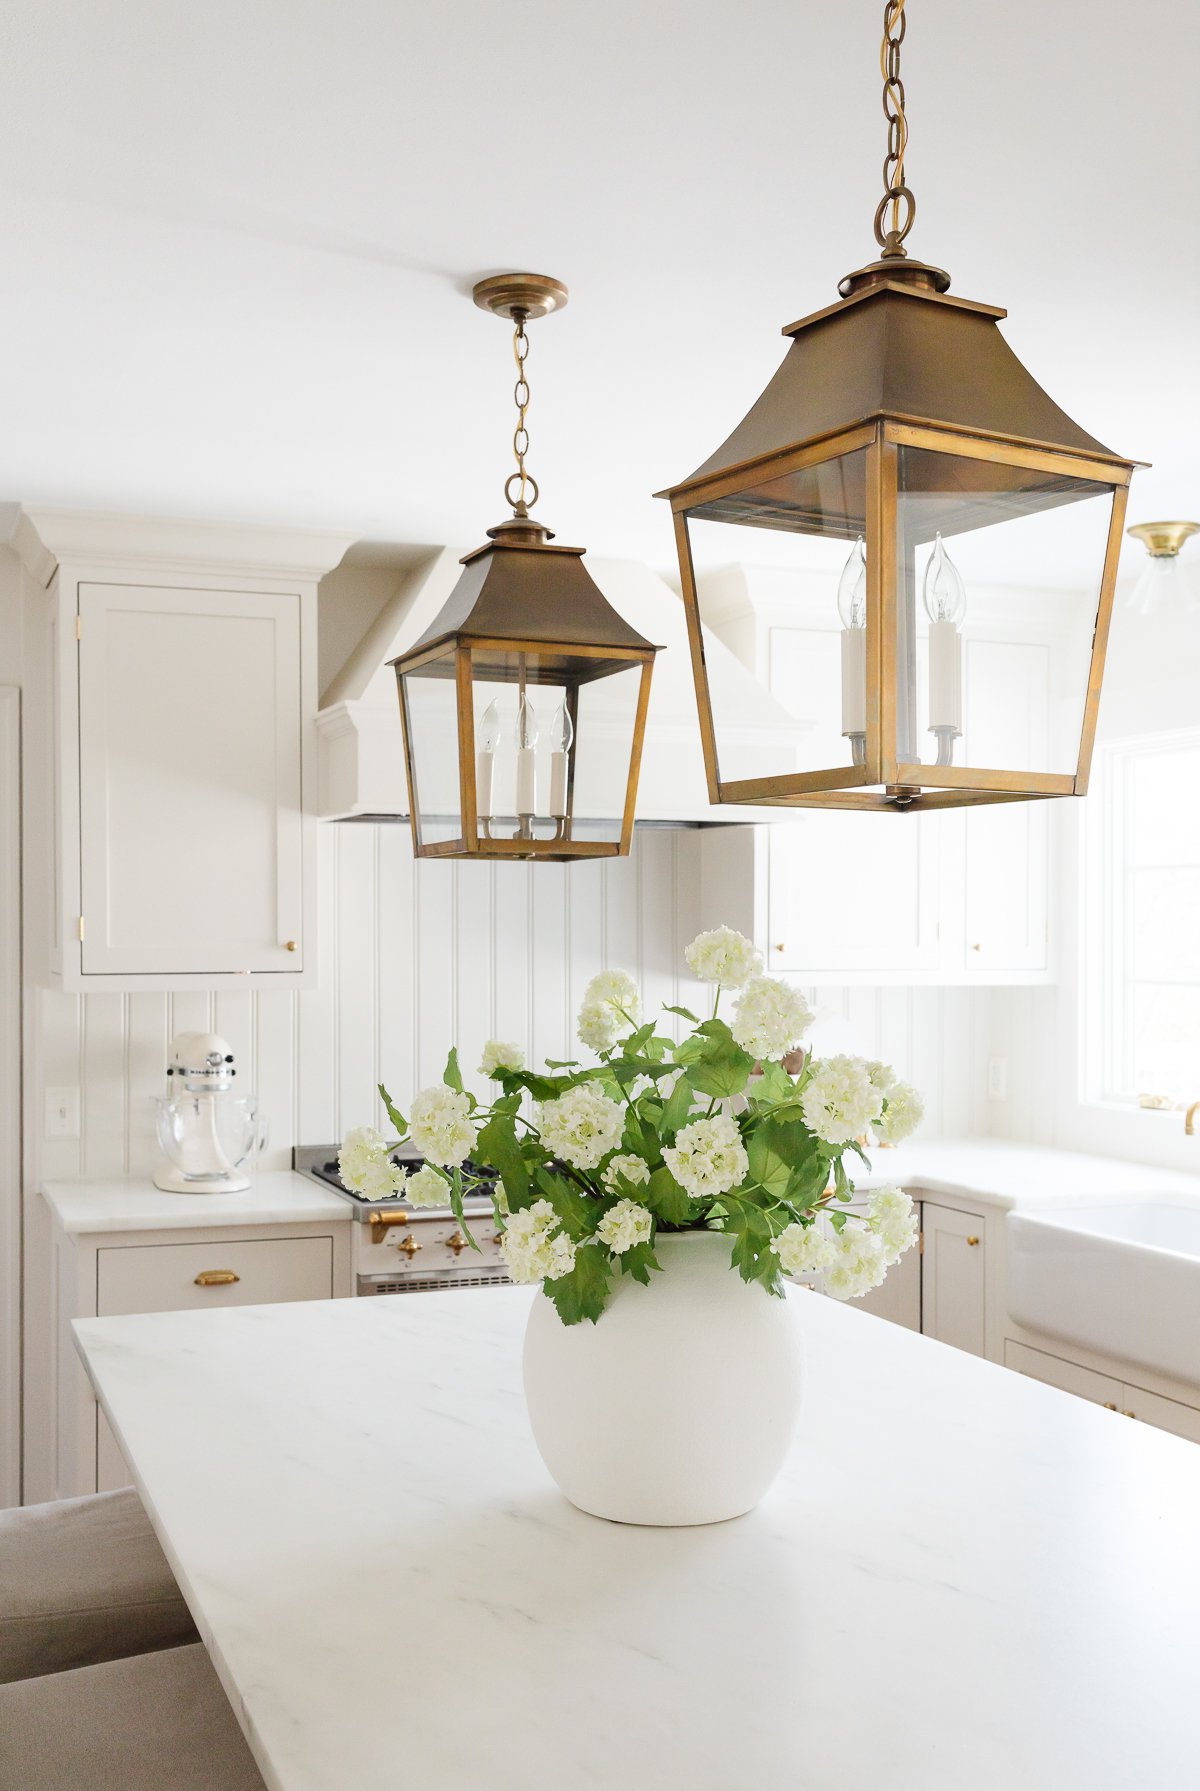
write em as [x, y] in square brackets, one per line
[457, 1243]
[410, 1245]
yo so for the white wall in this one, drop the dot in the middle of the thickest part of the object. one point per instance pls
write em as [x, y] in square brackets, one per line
[416, 957]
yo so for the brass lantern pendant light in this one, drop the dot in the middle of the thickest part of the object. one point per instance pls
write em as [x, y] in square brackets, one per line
[963, 530]
[524, 703]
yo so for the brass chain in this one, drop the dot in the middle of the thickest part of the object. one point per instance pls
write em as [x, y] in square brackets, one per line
[525, 480]
[891, 230]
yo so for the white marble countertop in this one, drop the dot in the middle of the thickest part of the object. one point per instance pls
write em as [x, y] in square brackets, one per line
[1002, 1174]
[274, 1197]
[963, 1581]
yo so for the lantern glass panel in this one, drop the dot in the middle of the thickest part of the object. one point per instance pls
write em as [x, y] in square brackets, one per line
[430, 698]
[769, 562]
[568, 768]
[998, 575]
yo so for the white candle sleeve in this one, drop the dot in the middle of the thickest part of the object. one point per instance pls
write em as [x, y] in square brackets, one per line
[526, 780]
[854, 681]
[945, 676]
[484, 766]
[558, 785]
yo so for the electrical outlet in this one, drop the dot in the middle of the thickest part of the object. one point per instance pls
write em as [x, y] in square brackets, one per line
[62, 1113]
[998, 1079]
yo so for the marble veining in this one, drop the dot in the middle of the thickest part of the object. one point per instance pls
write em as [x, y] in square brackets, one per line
[963, 1581]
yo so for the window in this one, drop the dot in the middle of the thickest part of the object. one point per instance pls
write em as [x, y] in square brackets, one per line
[1146, 874]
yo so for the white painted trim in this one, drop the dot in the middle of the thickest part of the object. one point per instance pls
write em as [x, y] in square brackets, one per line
[171, 545]
[10, 1096]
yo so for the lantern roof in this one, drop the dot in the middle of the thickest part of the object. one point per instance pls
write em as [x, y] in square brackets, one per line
[898, 347]
[523, 588]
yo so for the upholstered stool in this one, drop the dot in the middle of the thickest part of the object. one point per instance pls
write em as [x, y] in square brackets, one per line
[83, 1581]
[150, 1722]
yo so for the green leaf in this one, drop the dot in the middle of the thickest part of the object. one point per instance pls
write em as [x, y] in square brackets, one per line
[770, 1148]
[583, 1293]
[774, 1086]
[725, 1072]
[639, 1261]
[456, 1206]
[562, 1063]
[678, 1109]
[685, 1013]
[393, 1113]
[666, 1199]
[577, 1212]
[753, 1257]
[452, 1075]
[498, 1146]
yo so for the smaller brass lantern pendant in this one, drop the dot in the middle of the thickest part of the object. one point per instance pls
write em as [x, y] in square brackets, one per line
[960, 527]
[524, 703]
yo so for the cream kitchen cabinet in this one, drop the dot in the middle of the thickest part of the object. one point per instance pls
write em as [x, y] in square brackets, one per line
[953, 1277]
[127, 1247]
[1115, 1395]
[182, 684]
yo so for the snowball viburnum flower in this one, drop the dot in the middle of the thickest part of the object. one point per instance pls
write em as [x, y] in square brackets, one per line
[499, 1055]
[892, 1216]
[882, 1075]
[858, 1262]
[366, 1168]
[427, 1188]
[581, 1126]
[439, 1127]
[623, 1226]
[533, 1246]
[802, 1249]
[841, 1100]
[611, 1006]
[770, 1018]
[723, 956]
[708, 1157]
[902, 1113]
[631, 1171]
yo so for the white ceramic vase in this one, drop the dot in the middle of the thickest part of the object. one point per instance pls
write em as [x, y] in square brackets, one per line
[679, 1405]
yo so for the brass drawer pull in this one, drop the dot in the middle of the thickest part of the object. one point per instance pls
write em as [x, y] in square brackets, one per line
[216, 1278]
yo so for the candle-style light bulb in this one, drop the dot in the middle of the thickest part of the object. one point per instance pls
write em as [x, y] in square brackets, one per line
[944, 591]
[852, 588]
[485, 759]
[527, 738]
[562, 733]
[852, 608]
[945, 597]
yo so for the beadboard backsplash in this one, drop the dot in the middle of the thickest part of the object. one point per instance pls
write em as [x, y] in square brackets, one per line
[416, 957]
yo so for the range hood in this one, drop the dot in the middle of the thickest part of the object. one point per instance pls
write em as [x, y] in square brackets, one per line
[379, 601]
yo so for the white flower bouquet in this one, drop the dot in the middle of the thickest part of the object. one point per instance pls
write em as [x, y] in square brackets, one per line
[733, 1130]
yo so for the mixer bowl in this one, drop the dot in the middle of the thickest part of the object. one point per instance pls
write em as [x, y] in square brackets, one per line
[210, 1139]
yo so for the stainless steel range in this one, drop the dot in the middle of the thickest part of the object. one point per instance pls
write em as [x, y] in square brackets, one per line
[398, 1248]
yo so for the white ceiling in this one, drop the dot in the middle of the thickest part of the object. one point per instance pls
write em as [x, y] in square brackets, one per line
[238, 237]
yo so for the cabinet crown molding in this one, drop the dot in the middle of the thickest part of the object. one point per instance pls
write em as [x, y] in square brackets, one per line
[44, 537]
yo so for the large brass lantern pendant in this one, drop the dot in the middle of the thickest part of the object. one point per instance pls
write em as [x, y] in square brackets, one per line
[524, 703]
[947, 538]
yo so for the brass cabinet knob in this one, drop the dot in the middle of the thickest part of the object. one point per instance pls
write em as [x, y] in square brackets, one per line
[410, 1245]
[977, 948]
[457, 1243]
[781, 948]
[1110, 1405]
[216, 1278]
[972, 1239]
[1129, 1414]
[291, 945]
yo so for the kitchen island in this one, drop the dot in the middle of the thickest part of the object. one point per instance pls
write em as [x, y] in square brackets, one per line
[963, 1580]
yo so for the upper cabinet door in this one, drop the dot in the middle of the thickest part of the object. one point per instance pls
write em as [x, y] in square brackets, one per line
[191, 828]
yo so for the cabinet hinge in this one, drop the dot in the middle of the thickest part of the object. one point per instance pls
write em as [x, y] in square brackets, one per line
[81, 927]
[78, 628]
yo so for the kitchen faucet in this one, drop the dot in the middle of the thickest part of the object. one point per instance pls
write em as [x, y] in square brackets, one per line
[1189, 1119]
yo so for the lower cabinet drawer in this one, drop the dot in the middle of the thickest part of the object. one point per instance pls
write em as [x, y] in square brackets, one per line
[1165, 1414]
[175, 1277]
[1067, 1375]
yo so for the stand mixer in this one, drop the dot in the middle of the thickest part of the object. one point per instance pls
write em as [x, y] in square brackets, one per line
[210, 1135]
